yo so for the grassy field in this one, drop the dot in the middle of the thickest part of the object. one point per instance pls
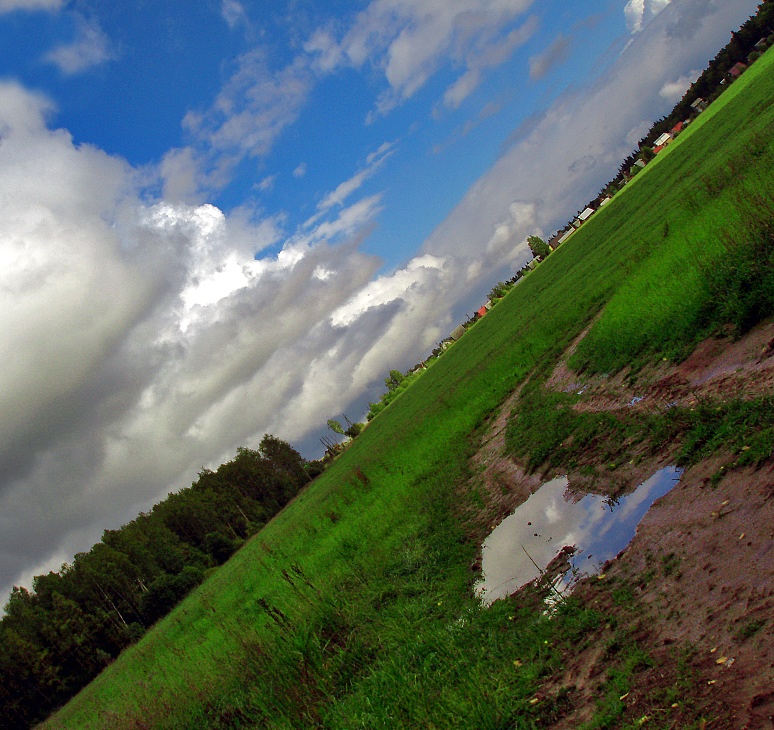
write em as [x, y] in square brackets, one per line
[354, 607]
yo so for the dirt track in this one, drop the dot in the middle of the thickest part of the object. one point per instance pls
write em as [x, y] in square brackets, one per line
[700, 571]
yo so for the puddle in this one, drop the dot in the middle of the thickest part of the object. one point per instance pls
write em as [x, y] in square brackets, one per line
[523, 544]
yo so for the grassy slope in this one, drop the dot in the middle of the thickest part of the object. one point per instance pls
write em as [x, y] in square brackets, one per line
[372, 623]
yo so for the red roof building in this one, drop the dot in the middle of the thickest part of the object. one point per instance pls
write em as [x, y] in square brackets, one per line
[481, 312]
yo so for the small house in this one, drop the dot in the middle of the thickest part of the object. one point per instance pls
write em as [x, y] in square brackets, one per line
[565, 236]
[698, 105]
[554, 241]
[482, 311]
[586, 214]
[736, 70]
[457, 332]
[661, 142]
[636, 167]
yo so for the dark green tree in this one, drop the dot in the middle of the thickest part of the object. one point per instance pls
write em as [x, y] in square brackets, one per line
[538, 246]
[335, 426]
[394, 380]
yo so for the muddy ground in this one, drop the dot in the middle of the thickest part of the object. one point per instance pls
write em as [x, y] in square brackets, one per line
[695, 588]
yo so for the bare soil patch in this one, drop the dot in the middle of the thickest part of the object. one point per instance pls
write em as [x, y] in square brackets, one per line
[718, 368]
[695, 588]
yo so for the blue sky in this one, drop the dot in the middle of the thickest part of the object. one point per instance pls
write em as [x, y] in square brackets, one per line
[227, 218]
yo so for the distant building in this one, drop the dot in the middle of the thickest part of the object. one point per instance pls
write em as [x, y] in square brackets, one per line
[554, 241]
[583, 217]
[605, 201]
[736, 70]
[699, 105]
[565, 236]
[636, 167]
[482, 311]
[457, 332]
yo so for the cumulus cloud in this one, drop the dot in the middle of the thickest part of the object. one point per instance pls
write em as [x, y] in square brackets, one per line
[135, 333]
[142, 339]
[90, 48]
[6, 6]
[410, 41]
[300, 170]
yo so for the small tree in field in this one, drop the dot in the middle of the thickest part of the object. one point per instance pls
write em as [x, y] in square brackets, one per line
[395, 379]
[335, 426]
[538, 246]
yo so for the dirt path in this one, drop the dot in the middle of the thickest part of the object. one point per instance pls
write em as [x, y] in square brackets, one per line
[695, 588]
[718, 368]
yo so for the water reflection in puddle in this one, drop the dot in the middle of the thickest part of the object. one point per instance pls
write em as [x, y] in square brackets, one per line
[533, 535]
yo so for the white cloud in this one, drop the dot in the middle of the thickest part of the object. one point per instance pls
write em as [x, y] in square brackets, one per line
[637, 132]
[141, 341]
[349, 219]
[233, 13]
[495, 54]
[267, 183]
[576, 147]
[673, 91]
[134, 334]
[386, 289]
[91, 48]
[300, 170]
[410, 41]
[640, 12]
[374, 161]
[252, 109]
[327, 53]
[6, 6]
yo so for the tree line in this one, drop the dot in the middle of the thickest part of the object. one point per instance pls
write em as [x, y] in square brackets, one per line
[56, 638]
[746, 46]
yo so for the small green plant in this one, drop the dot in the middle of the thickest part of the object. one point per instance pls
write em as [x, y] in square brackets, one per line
[669, 563]
[749, 629]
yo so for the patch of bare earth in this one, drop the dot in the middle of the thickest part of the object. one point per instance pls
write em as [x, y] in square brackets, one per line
[718, 368]
[695, 588]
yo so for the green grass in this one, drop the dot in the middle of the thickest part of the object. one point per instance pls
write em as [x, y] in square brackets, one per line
[546, 432]
[353, 607]
[707, 235]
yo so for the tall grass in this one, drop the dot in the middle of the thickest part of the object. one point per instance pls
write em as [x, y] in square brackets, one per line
[709, 233]
[353, 607]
